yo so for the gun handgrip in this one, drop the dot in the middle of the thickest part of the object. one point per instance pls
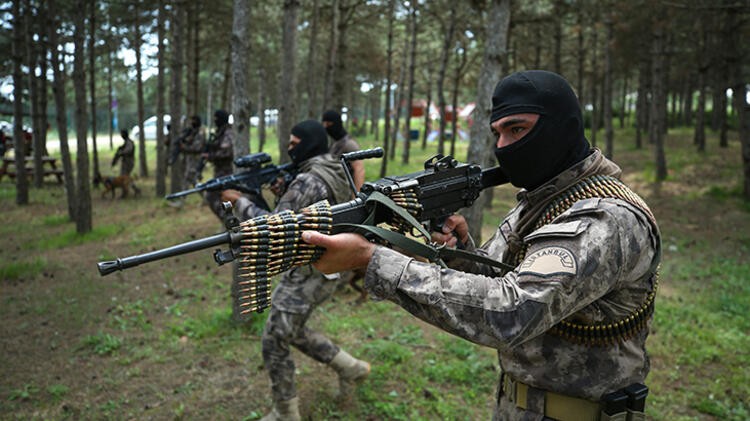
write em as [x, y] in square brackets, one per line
[363, 154]
[105, 268]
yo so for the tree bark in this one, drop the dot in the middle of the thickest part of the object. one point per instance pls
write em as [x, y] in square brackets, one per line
[581, 55]
[482, 141]
[311, 80]
[659, 102]
[92, 83]
[607, 91]
[410, 100]
[139, 95]
[332, 56]
[399, 99]
[175, 98]
[58, 88]
[288, 88]
[387, 107]
[19, 143]
[261, 108]
[161, 155]
[594, 86]
[83, 189]
[461, 61]
[703, 60]
[447, 44]
[240, 98]
[427, 120]
[32, 60]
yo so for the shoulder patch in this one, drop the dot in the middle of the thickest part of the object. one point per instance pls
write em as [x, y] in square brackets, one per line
[549, 261]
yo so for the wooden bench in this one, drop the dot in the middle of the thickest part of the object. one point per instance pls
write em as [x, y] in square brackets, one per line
[49, 163]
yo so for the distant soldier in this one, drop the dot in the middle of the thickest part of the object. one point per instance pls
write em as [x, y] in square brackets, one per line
[126, 152]
[343, 143]
[219, 151]
[191, 146]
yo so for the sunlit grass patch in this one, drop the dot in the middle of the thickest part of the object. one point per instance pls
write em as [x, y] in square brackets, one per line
[71, 238]
[22, 269]
[102, 343]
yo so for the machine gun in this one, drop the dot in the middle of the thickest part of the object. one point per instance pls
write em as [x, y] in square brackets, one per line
[270, 244]
[258, 174]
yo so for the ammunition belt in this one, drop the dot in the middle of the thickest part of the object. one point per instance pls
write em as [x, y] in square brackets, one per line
[272, 244]
[598, 334]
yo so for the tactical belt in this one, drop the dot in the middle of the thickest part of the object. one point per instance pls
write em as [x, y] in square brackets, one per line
[557, 406]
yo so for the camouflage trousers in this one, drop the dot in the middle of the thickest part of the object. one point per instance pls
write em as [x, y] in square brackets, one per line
[286, 326]
[191, 169]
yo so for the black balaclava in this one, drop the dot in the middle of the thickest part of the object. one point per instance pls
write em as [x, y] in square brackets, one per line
[124, 133]
[555, 143]
[196, 122]
[313, 141]
[221, 118]
[335, 130]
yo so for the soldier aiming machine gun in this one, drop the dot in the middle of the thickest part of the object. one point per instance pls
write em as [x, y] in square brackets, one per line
[271, 244]
[250, 182]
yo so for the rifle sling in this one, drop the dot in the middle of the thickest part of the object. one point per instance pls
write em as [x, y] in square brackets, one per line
[435, 254]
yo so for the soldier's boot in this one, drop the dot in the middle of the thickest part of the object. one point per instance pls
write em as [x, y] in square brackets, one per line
[284, 411]
[351, 372]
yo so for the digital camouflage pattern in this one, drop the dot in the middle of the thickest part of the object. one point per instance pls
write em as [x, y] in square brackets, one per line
[594, 263]
[301, 289]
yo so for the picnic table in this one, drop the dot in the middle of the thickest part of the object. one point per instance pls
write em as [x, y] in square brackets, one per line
[49, 163]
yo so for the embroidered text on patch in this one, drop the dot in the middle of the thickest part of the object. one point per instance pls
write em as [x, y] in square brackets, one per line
[550, 261]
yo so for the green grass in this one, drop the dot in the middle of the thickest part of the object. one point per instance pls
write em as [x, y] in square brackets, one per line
[22, 270]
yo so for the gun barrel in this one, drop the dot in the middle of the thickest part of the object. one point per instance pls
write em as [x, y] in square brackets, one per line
[179, 194]
[107, 267]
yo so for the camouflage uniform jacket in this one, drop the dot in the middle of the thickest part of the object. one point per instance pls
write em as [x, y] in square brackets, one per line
[300, 288]
[221, 151]
[126, 152]
[614, 251]
[194, 142]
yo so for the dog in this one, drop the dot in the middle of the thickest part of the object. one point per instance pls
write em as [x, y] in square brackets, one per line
[123, 182]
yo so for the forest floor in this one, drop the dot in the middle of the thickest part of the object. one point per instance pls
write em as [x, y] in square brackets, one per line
[156, 341]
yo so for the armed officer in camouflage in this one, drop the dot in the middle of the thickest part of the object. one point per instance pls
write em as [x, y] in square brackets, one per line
[343, 143]
[191, 147]
[570, 313]
[302, 289]
[126, 152]
[219, 151]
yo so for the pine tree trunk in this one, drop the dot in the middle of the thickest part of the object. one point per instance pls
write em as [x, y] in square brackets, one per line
[399, 99]
[332, 56]
[447, 45]
[175, 98]
[240, 98]
[595, 110]
[659, 102]
[410, 100]
[92, 82]
[311, 80]
[427, 121]
[161, 155]
[581, 55]
[261, 108]
[139, 95]
[387, 107]
[482, 142]
[19, 143]
[58, 88]
[607, 91]
[32, 59]
[83, 189]
[460, 65]
[288, 87]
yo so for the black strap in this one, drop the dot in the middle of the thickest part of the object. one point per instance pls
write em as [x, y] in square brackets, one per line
[435, 254]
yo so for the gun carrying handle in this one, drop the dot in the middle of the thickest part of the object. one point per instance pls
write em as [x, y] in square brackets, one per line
[355, 156]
